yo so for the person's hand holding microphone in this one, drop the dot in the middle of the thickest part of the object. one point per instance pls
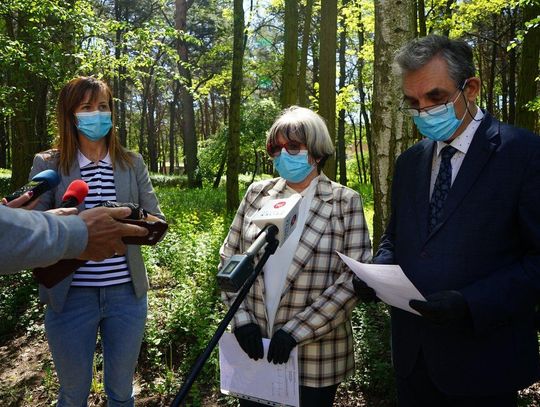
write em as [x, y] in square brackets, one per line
[105, 232]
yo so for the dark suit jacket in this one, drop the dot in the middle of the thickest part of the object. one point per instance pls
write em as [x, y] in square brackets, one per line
[487, 246]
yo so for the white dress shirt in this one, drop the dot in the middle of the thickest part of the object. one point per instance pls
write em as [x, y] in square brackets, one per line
[277, 267]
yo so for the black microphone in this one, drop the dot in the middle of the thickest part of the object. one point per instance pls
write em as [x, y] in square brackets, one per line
[75, 194]
[40, 183]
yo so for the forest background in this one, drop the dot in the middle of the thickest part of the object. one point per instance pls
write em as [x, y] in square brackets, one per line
[197, 84]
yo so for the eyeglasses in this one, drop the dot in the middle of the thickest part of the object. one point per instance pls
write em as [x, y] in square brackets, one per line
[293, 148]
[433, 110]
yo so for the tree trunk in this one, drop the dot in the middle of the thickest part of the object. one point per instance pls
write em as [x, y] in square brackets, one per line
[327, 78]
[448, 16]
[152, 137]
[391, 134]
[363, 109]
[188, 112]
[422, 30]
[315, 54]
[358, 141]
[528, 70]
[221, 168]
[30, 127]
[341, 153]
[172, 121]
[142, 128]
[3, 142]
[233, 144]
[512, 66]
[302, 91]
[289, 75]
[491, 82]
[122, 127]
[214, 113]
[255, 166]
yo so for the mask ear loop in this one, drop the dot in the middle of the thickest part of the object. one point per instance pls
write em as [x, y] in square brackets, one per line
[467, 102]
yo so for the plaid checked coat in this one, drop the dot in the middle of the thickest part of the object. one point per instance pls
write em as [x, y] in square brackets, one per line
[318, 297]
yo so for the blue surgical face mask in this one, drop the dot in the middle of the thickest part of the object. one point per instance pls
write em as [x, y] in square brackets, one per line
[94, 125]
[294, 168]
[439, 126]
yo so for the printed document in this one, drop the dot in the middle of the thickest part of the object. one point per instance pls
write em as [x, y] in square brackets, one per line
[389, 282]
[257, 380]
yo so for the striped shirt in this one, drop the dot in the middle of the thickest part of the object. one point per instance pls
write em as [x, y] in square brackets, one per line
[100, 179]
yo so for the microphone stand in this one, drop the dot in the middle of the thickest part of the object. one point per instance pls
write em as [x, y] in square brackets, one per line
[266, 238]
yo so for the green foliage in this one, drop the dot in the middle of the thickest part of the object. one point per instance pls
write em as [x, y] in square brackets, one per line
[19, 306]
[365, 190]
[43, 44]
[257, 118]
[374, 372]
[5, 181]
[185, 306]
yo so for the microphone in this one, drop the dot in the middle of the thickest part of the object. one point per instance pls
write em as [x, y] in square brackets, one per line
[75, 194]
[282, 213]
[40, 183]
[277, 219]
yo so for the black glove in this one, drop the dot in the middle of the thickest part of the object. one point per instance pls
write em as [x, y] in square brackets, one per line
[250, 340]
[280, 348]
[446, 308]
[364, 292]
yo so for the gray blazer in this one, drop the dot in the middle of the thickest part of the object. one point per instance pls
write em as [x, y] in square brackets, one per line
[132, 185]
[33, 239]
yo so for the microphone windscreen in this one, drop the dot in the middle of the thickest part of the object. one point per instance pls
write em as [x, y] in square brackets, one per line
[78, 190]
[49, 176]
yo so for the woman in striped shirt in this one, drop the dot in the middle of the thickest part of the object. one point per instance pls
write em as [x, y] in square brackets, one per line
[108, 297]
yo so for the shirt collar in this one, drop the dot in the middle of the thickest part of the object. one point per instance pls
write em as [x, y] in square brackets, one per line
[463, 141]
[311, 185]
[84, 161]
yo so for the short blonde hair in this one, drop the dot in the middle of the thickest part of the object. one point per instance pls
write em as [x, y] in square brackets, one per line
[305, 126]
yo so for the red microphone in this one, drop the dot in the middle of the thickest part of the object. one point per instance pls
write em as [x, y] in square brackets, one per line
[75, 194]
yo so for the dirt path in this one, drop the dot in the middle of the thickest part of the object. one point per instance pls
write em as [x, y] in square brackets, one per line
[27, 379]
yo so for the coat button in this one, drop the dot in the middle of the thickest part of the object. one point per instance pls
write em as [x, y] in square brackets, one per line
[424, 254]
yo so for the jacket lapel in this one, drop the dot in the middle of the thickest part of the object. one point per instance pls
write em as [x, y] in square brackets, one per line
[423, 180]
[485, 141]
[320, 212]
[122, 184]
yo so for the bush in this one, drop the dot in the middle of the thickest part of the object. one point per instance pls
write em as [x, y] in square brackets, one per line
[5, 182]
[374, 372]
[161, 180]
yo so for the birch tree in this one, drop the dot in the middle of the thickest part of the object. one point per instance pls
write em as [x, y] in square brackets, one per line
[394, 26]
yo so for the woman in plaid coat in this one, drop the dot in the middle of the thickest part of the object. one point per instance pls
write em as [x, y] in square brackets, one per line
[304, 295]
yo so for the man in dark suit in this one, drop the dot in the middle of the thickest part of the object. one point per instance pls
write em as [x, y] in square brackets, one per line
[465, 229]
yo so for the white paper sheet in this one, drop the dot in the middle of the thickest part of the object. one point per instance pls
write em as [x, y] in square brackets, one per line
[389, 282]
[257, 380]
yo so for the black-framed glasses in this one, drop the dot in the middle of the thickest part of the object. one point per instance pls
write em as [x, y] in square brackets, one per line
[293, 148]
[433, 110]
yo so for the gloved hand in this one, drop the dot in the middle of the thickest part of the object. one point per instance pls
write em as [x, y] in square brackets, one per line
[280, 347]
[250, 340]
[446, 308]
[364, 292]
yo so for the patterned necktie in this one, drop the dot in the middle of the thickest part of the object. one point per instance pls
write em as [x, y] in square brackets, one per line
[442, 186]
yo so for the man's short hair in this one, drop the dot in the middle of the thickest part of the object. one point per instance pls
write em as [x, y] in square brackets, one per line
[417, 53]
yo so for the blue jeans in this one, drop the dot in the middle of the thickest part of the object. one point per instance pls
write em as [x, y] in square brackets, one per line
[120, 317]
